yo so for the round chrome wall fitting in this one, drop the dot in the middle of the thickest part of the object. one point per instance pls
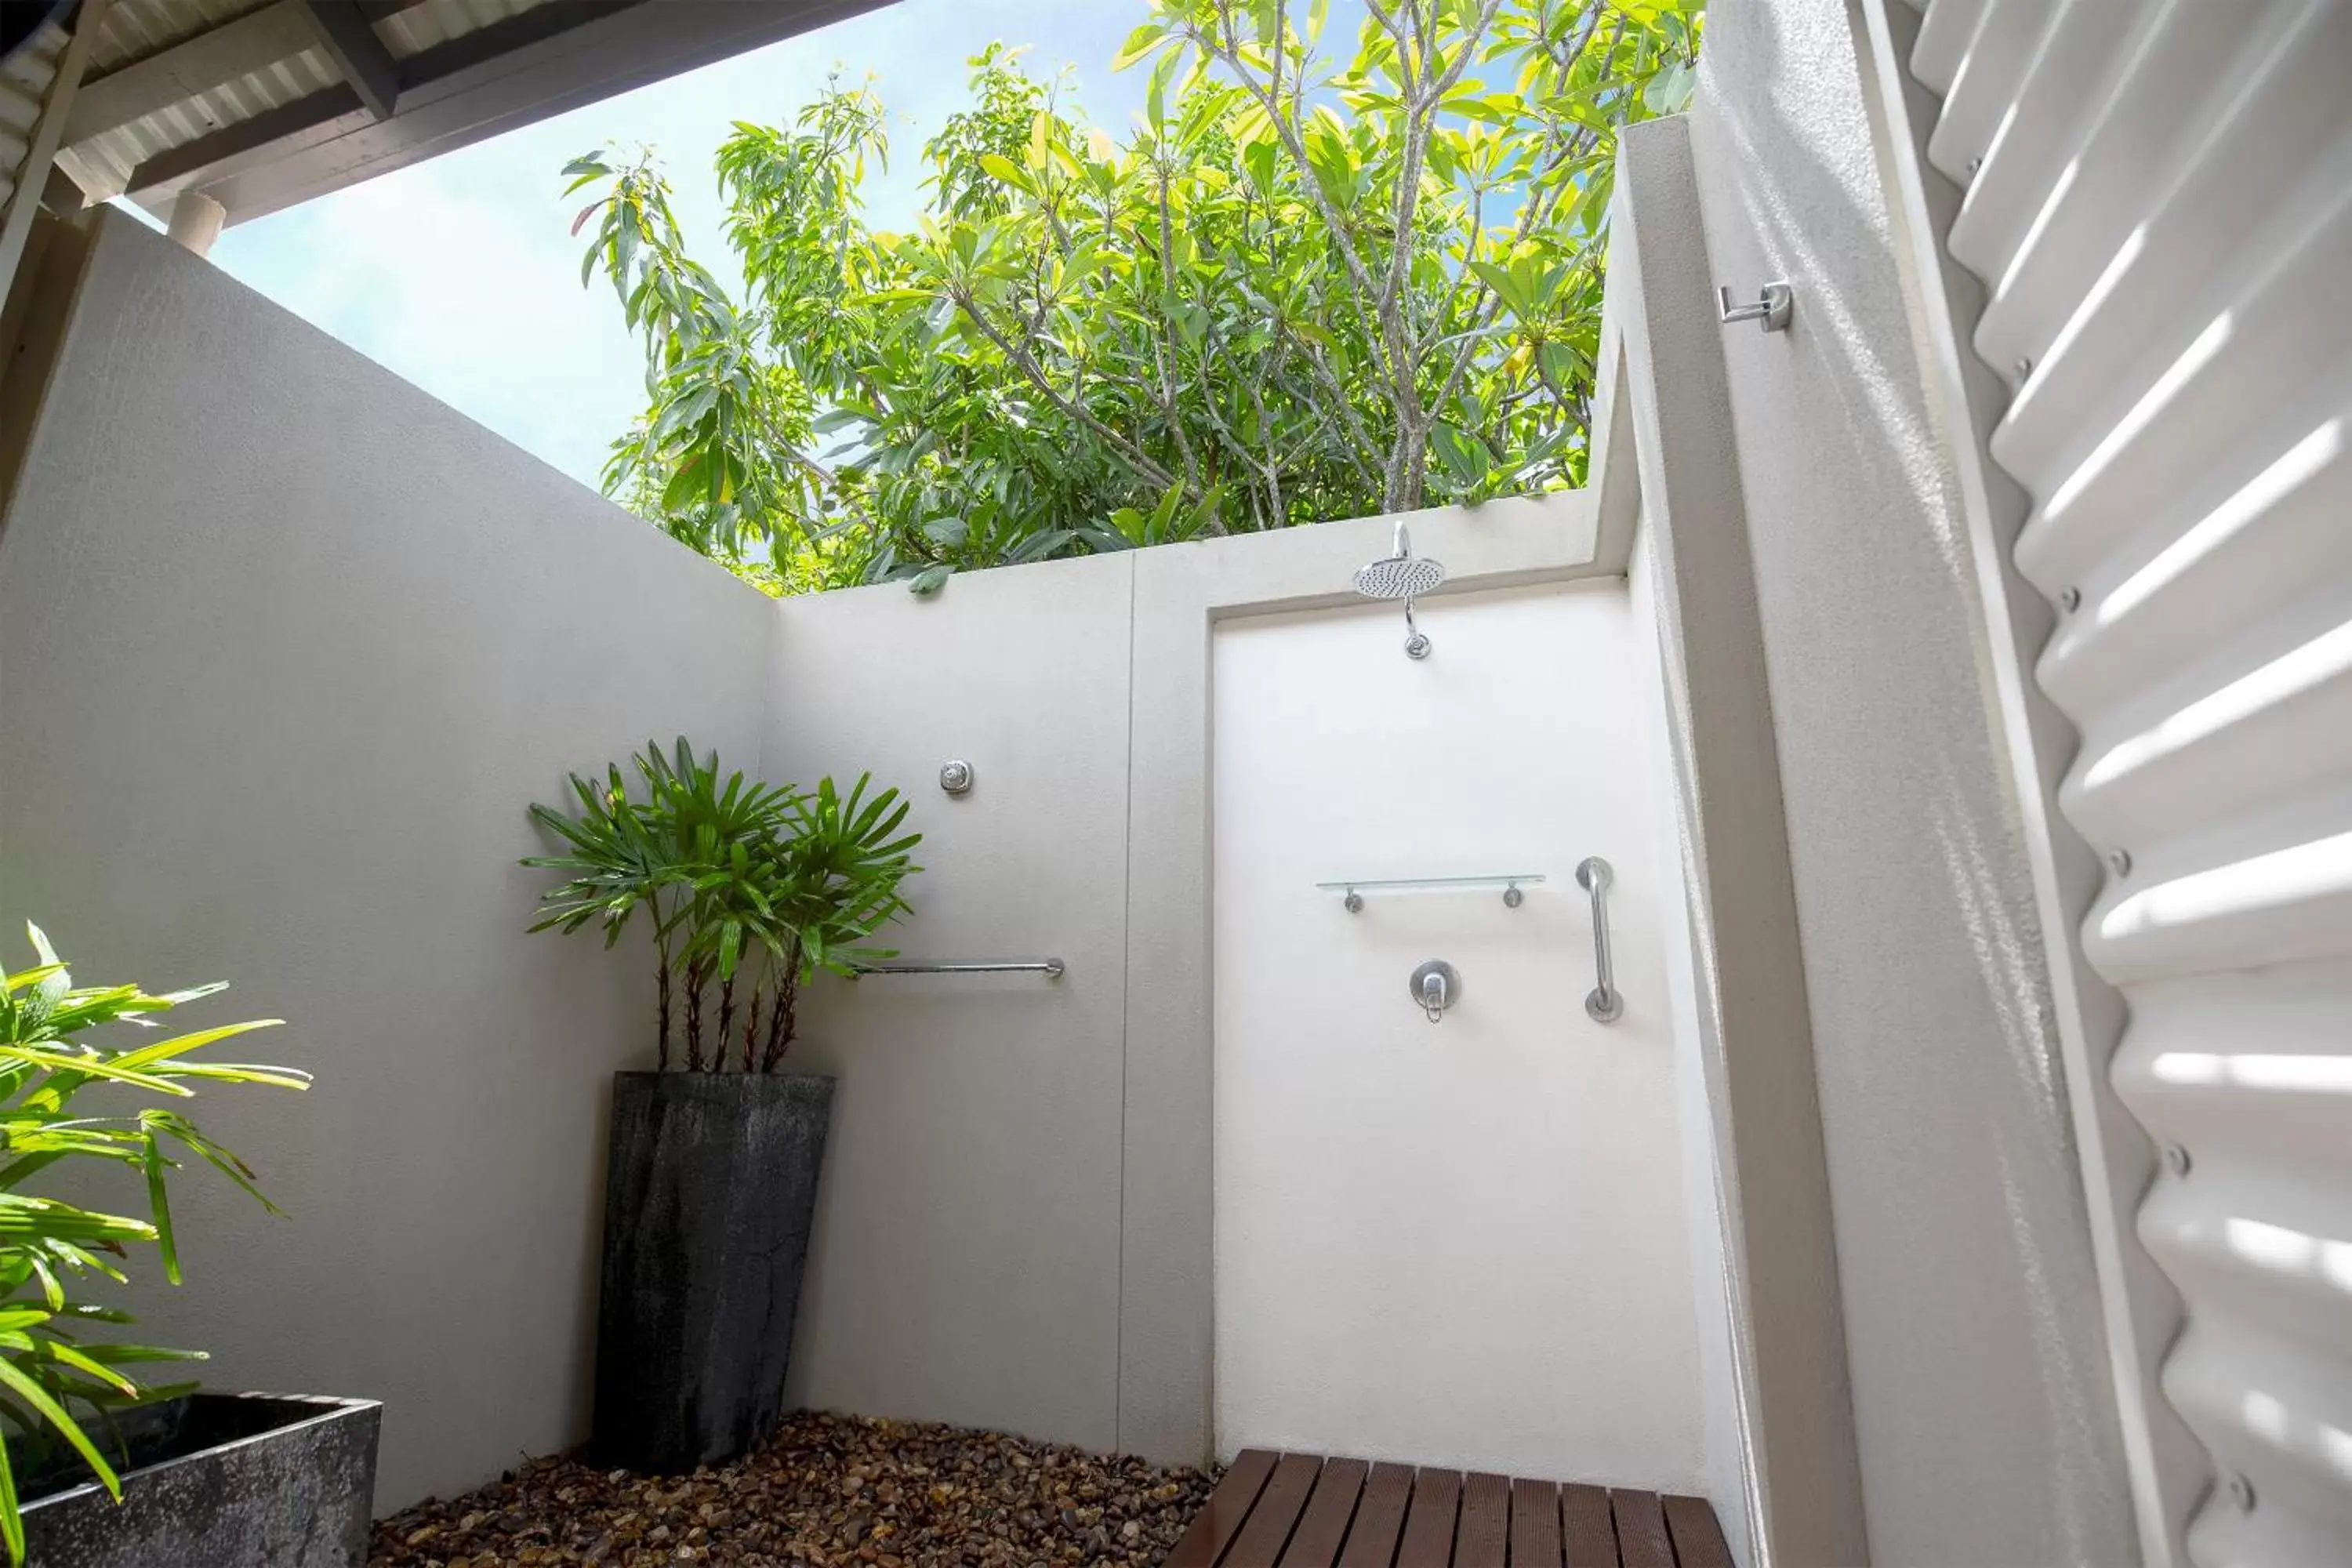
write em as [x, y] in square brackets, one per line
[955, 777]
[1417, 646]
[1353, 903]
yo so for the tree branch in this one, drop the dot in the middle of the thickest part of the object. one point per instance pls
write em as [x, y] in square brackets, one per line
[1133, 456]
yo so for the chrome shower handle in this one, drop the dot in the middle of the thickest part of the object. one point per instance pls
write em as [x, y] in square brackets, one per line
[1605, 1003]
[1436, 986]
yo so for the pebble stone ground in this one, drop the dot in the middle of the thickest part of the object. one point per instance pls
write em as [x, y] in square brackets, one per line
[825, 1491]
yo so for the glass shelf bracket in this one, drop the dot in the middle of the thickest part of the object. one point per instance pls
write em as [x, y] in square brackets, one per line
[1353, 890]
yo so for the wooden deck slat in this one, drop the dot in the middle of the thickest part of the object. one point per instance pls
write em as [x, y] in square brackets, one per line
[1429, 1526]
[1697, 1533]
[1641, 1541]
[1482, 1539]
[1372, 1540]
[1214, 1529]
[1324, 1525]
[1586, 1528]
[1534, 1525]
[1299, 1510]
[1262, 1540]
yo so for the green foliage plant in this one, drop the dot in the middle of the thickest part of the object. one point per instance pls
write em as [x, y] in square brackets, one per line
[1314, 283]
[58, 1388]
[749, 889]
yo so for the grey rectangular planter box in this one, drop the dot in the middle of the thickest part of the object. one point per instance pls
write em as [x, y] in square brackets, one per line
[258, 1480]
[708, 1207]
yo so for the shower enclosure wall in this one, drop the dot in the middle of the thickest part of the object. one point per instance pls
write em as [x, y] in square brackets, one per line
[1466, 1236]
[1020, 1226]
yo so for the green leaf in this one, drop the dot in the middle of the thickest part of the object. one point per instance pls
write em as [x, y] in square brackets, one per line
[159, 1200]
[49, 1410]
[1139, 43]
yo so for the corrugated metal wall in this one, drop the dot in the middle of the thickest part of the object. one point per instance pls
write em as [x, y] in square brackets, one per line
[2160, 206]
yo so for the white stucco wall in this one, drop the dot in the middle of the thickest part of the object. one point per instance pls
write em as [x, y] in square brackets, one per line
[1016, 1230]
[294, 658]
[966, 1261]
[1727, 1483]
[286, 647]
[1985, 1416]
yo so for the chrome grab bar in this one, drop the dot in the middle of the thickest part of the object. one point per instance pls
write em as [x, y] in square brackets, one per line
[1050, 968]
[1606, 1003]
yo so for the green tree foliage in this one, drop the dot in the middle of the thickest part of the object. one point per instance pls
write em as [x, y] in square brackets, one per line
[1305, 288]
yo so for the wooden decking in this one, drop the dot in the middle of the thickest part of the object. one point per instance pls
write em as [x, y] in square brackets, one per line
[1297, 1510]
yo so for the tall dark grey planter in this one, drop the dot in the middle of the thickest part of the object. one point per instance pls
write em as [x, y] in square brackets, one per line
[707, 1216]
[260, 1481]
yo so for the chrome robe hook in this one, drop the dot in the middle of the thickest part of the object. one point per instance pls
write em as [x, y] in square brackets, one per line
[1779, 302]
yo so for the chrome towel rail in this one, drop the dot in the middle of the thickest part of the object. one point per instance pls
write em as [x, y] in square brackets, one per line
[1050, 968]
[1605, 1003]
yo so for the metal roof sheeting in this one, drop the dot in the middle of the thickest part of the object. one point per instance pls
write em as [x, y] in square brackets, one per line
[25, 78]
[2160, 206]
[437, 22]
[102, 166]
[261, 106]
[136, 30]
[133, 29]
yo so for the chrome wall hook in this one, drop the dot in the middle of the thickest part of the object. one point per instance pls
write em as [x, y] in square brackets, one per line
[1779, 301]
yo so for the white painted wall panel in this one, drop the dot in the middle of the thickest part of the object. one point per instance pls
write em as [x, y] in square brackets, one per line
[1466, 1243]
[2165, 228]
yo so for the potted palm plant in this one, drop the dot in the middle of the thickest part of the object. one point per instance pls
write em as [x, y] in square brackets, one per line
[748, 890]
[99, 1469]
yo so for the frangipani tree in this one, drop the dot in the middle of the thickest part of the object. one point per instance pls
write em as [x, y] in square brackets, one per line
[1303, 287]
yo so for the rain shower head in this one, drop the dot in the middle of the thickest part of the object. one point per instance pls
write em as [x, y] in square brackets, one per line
[1401, 574]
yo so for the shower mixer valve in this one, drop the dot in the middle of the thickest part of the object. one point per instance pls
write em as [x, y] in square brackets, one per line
[1435, 986]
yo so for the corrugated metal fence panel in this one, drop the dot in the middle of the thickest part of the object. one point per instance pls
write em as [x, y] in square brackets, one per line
[25, 78]
[2159, 205]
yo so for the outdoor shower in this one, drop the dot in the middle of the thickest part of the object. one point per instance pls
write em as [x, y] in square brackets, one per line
[1401, 574]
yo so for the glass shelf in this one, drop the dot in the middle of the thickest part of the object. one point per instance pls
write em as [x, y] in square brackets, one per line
[1353, 891]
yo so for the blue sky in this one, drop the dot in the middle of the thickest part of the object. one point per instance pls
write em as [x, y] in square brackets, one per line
[461, 274]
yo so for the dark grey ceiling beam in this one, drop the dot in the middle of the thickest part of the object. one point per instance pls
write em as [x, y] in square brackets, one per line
[62, 194]
[553, 57]
[246, 146]
[349, 39]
